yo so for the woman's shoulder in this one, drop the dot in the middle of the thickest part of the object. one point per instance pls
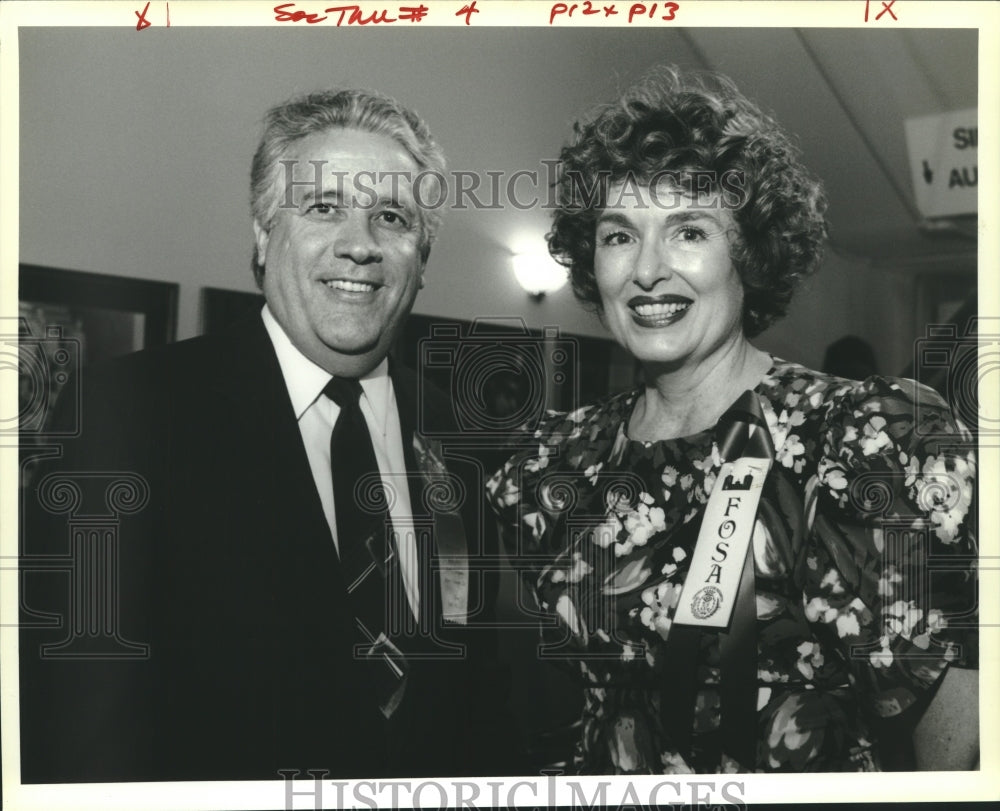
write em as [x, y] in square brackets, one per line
[592, 430]
[897, 430]
[792, 387]
[849, 428]
[601, 416]
[574, 439]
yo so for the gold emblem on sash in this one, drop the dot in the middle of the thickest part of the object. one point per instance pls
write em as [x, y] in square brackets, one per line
[706, 602]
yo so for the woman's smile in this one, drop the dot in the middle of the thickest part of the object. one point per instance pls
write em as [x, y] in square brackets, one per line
[661, 311]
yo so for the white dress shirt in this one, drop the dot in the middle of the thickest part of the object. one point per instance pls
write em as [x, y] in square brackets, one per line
[316, 415]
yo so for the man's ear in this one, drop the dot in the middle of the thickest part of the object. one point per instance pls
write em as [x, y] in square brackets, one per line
[260, 235]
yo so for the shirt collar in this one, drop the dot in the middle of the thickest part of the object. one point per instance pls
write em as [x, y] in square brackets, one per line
[306, 380]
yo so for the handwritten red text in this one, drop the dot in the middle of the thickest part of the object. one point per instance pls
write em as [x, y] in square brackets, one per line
[652, 11]
[349, 15]
[467, 11]
[668, 12]
[143, 22]
[886, 7]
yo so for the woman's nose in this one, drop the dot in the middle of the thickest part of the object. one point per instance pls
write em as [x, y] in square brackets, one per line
[652, 264]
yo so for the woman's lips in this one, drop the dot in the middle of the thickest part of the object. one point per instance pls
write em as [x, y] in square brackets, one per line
[660, 311]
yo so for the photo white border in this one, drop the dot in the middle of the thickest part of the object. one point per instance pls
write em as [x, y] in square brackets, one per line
[800, 788]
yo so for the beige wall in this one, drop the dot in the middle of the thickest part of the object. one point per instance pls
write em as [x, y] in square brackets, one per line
[135, 154]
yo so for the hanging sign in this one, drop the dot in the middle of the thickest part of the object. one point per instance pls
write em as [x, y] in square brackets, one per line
[943, 162]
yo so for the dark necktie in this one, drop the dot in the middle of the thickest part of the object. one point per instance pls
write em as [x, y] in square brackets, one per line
[368, 555]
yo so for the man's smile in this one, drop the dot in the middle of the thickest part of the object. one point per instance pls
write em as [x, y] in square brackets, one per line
[350, 286]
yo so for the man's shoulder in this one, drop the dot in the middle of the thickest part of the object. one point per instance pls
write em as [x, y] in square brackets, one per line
[431, 407]
[185, 363]
[133, 409]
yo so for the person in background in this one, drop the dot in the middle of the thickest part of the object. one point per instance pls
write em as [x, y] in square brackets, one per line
[729, 555]
[851, 357]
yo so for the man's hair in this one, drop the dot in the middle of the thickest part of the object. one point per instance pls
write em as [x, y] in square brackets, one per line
[301, 116]
[685, 125]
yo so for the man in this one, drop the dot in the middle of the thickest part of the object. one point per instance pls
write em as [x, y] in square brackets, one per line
[265, 609]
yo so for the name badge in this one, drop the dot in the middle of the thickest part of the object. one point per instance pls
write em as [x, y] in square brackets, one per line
[709, 594]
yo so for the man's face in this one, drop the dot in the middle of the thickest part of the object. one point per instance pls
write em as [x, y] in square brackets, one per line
[343, 266]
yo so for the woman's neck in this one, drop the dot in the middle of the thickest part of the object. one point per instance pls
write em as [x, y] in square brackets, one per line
[680, 401]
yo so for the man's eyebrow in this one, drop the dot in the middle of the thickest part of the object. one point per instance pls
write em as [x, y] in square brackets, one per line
[326, 195]
[370, 197]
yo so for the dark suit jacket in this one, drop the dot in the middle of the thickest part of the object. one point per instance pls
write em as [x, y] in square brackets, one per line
[229, 575]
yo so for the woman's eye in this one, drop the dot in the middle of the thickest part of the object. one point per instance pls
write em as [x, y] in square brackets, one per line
[615, 238]
[691, 234]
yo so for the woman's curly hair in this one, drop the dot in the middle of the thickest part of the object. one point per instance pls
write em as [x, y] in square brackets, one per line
[696, 126]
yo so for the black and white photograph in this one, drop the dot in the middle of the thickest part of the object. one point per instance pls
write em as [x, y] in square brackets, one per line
[475, 404]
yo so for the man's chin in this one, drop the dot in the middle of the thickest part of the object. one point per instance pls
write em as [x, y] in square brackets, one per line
[353, 358]
[350, 342]
[354, 350]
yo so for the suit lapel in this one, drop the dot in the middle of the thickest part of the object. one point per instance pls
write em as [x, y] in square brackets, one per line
[445, 564]
[406, 405]
[283, 487]
[252, 386]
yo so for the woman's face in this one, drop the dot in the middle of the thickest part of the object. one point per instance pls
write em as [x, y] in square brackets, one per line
[669, 291]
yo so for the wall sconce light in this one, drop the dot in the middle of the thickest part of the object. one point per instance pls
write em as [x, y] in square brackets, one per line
[538, 275]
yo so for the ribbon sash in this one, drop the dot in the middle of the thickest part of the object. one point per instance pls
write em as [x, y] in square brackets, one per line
[722, 600]
[709, 594]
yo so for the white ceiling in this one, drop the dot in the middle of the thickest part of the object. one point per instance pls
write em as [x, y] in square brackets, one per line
[151, 134]
[846, 95]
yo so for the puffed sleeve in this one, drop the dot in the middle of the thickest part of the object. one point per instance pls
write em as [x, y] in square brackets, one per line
[514, 493]
[890, 567]
[554, 471]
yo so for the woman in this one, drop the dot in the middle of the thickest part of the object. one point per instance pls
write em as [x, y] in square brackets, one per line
[764, 616]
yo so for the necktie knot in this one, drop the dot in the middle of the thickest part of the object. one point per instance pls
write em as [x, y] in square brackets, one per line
[344, 391]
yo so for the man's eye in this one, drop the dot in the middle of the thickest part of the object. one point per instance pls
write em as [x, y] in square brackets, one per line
[393, 219]
[320, 209]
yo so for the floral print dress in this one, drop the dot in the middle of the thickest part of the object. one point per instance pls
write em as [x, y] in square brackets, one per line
[863, 554]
